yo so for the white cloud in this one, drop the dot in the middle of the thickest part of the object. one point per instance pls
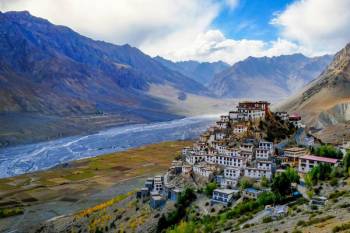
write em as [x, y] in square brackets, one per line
[124, 21]
[321, 26]
[181, 30]
[232, 3]
[213, 45]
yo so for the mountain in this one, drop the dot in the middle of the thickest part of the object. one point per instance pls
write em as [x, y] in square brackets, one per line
[325, 102]
[54, 81]
[52, 69]
[202, 72]
[268, 78]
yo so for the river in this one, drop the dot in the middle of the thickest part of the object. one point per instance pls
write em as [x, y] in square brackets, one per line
[40, 156]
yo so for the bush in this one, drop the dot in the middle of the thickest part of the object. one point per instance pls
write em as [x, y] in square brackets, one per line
[210, 188]
[267, 219]
[245, 183]
[334, 181]
[281, 184]
[301, 223]
[328, 151]
[337, 194]
[341, 227]
[174, 217]
[4, 213]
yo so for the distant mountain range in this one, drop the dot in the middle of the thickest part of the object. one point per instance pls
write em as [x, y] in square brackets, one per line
[52, 77]
[325, 102]
[53, 70]
[202, 72]
[268, 78]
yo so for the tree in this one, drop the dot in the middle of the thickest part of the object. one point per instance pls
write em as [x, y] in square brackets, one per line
[174, 217]
[210, 188]
[281, 184]
[324, 171]
[267, 198]
[308, 180]
[264, 182]
[346, 161]
[328, 151]
[245, 183]
[292, 175]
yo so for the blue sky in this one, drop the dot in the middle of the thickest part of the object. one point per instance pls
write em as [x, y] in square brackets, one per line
[250, 19]
[204, 30]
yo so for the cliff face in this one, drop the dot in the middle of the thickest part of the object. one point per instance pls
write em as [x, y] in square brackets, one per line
[50, 69]
[325, 101]
[268, 78]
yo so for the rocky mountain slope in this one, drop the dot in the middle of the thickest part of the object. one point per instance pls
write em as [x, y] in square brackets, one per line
[51, 69]
[268, 78]
[325, 102]
[202, 72]
[50, 74]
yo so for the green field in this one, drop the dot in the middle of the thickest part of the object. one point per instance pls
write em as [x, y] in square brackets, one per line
[87, 175]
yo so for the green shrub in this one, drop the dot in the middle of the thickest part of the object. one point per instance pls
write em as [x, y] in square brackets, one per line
[7, 212]
[267, 219]
[210, 188]
[341, 227]
[334, 181]
[337, 194]
[301, 223]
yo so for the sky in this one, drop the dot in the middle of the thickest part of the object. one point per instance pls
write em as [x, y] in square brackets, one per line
[204, 30]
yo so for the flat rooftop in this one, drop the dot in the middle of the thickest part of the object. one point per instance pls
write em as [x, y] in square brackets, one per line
[226, 191]
[319, 159]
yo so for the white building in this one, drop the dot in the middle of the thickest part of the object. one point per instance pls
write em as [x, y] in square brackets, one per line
[220, 134]
[251, 193]
[266, 165]
[231, 161]
[295, 119]
[203, 170]
[223, 196]
[194, 158]
[307, 162]
[247, 147]
[282, 115]
[240, 128]
[257, 173]
[232, 172]
[225, 118]
[222, 124]
[228, 183]
[211, 159]
[233, 115]
[247, 154]
[158, 184]
[232, 152]
[186, 150]
[266, 145]
[262, 154]
[186, 169]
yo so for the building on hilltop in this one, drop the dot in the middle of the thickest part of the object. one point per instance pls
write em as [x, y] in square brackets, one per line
[251, 193]
[266, 145]
[224, 196]
[240, 128]
[282, 115]
[295, 119]
[307, 162]
[291, 156]
[262, 154]
[257, 173]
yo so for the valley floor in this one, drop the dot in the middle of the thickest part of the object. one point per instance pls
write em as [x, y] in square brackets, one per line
[81, 184]
[29, 128]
